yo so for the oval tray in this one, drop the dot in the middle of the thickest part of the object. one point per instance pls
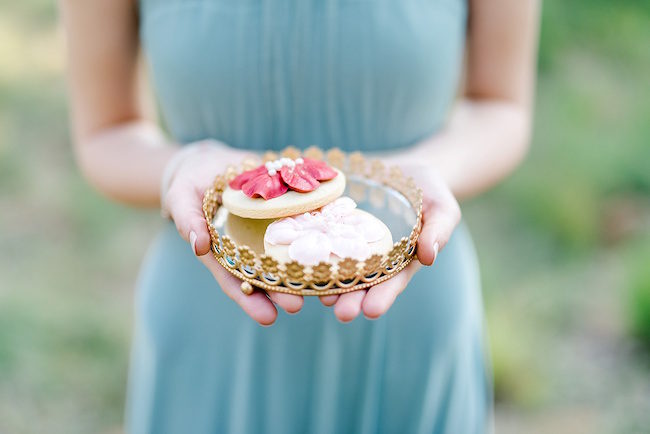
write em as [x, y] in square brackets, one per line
[393, 197]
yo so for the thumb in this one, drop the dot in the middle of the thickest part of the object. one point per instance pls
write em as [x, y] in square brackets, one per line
[439, 221]
[186, 209]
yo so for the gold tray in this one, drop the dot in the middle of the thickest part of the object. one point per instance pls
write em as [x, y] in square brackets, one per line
[386, 193]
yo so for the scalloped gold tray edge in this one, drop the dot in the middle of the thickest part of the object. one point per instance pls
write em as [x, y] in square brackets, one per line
[349, 274]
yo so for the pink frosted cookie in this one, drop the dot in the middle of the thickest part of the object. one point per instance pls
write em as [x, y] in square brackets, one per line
[339, 230]
[282, 188]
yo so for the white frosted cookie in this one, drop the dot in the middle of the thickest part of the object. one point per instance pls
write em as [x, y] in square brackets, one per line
[283, 188]
[336, 231]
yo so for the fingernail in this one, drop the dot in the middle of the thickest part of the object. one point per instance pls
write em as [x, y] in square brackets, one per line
[436, 247]
[193, 241]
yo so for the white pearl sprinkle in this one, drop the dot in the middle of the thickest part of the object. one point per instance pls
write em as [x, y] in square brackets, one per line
[285, 161]
[272, 172]
[268, 165]
[291, 164]
[277, 165]
[299, 161]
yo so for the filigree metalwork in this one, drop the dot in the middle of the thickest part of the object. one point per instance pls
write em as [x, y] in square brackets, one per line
[314, 152]
[265, 272]
[336, 158]
[246, 256]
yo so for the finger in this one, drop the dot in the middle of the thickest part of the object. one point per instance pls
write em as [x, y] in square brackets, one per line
[329, 300]
[186, 209]
[382, 296]
[256, 305]
[439, 221]
[348, 305]
[289, 302]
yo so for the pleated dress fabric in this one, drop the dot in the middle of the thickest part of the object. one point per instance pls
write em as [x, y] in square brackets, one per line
[363, 75]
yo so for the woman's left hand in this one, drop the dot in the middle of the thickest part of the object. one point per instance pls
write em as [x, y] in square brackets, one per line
[440, 216]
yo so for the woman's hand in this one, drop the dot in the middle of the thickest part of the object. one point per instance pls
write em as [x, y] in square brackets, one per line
[182, 198]
[441, 215]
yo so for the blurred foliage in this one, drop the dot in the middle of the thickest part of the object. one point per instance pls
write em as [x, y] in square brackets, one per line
[515, 368]
[581, 198]
[638, 293]
[563, 243]
[591, 139]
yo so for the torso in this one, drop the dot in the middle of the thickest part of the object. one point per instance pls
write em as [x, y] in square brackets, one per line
[372, 74]
[356, 74]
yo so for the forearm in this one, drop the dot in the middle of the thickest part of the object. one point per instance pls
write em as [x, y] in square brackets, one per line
[126, 161]
[483, 142]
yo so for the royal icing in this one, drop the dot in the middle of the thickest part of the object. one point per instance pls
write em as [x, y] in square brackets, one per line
[274, 178]
[335, 229]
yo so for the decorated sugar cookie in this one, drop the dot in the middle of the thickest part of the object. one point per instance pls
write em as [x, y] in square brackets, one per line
[283, 187]
[339, 230]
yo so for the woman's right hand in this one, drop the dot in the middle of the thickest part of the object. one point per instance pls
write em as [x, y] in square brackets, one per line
[193, 171]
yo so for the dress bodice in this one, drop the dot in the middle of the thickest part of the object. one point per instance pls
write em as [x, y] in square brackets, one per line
[263, 74]
[356, 74]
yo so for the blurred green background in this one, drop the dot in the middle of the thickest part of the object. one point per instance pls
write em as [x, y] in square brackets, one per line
[564, 243]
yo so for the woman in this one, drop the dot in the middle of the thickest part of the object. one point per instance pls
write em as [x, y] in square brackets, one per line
[251, 75]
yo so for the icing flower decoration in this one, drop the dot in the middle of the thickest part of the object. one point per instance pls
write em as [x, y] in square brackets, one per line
[335, 229]
[274, 178]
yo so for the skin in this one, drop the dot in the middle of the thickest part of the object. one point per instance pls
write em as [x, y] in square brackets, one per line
[122, 152]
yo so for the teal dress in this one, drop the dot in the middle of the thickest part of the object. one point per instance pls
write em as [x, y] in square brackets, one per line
[356, 74]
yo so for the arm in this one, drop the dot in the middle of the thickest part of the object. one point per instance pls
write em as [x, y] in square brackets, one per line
[120, 151]
[488, 132]
[485, 139]
[123, 153]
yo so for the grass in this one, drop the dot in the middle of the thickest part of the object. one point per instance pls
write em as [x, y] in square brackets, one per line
[637, 306]
[566, 293]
